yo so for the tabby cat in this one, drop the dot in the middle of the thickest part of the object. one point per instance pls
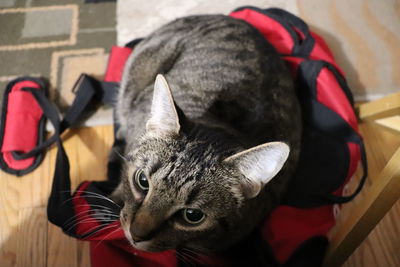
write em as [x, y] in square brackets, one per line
[202, 148]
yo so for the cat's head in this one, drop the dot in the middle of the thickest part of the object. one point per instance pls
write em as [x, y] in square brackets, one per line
[188, 185]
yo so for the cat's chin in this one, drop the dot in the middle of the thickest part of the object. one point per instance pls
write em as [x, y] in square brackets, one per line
[147, 246]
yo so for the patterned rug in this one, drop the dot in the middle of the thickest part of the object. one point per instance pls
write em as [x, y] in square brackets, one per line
[56, 40]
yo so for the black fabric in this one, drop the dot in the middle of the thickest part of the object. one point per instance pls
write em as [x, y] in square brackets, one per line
[324, 152]
[41, 131]
[60, 208]
[133, 43]
[311, 253]
[307, 75]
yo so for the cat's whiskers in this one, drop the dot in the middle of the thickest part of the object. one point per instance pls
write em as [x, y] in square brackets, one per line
[85, 219]
[99, 195]
[94, 205]
[183, 258]
[104, 238]
[192, 258]
[89, 220]
[196, 256]
[99, 228]
[76, 197]
[93, 212]
[89, 194]
[106, 212]
[120, 155]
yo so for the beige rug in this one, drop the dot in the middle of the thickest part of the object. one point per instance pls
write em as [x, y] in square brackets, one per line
[363, 35]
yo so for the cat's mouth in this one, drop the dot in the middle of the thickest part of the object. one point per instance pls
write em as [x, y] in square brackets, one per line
[148, 245]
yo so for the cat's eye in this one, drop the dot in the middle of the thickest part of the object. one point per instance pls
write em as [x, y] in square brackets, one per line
[193, 216]
[141, 180]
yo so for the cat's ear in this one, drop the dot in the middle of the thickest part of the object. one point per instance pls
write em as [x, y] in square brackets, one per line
[164, 118]
[259, 165]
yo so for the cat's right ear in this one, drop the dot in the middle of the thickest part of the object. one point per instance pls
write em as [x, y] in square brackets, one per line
[259, 165]
[164, 118]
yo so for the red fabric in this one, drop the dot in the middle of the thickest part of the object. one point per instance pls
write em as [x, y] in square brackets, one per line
[272, 30]
[288, 227]
[116, 63]
[331, 95]
[321, 51]
[118, 253]
[21, 125]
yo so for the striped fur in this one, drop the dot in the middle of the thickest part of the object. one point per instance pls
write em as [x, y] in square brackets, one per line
[232, 92]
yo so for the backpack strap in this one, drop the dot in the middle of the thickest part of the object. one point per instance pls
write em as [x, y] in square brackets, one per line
[60, 207]
[328, 121]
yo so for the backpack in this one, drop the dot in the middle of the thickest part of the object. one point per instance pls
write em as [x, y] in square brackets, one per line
[295, 233]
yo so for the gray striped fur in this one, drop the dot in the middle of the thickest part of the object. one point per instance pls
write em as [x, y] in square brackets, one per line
[234, 93]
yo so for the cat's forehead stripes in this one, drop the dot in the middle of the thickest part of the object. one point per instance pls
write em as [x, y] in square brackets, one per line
[190, 164]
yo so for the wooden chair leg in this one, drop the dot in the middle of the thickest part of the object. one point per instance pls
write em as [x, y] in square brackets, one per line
[377, 201]
[381, 108]
[391, 123]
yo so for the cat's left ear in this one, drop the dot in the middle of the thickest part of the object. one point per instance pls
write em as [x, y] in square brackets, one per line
[164, 118]
[259, 165]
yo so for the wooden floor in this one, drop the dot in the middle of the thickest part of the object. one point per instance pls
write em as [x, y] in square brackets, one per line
[28, 239]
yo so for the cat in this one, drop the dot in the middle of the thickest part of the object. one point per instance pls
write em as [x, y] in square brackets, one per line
[212, 126]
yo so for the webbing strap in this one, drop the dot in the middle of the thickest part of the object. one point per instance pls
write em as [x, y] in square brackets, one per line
[88, 89]
[328, 118]
[59, 208]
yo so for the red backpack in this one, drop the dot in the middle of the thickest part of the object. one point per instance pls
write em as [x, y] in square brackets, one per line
[295, 233]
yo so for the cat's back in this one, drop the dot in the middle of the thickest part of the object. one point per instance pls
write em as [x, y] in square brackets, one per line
[217, 67]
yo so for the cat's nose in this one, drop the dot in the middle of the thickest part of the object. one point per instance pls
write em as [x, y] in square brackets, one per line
[143, 227]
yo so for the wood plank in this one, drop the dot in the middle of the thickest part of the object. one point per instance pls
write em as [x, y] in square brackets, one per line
[385, 107]
[31, 238]
[9, 221]
[28, 191]
[87, 150]
[391, 123]
[380, 146]
[379, 198]
[83, 249]
[382, 245]
[62, 250]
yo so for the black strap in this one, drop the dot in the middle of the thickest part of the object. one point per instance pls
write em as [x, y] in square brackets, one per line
[60, 207]
[52, 116]
[86, 89]
[330, 123]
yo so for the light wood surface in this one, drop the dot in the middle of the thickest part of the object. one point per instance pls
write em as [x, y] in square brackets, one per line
[27, 239]
[383, 190]
[385, 107]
